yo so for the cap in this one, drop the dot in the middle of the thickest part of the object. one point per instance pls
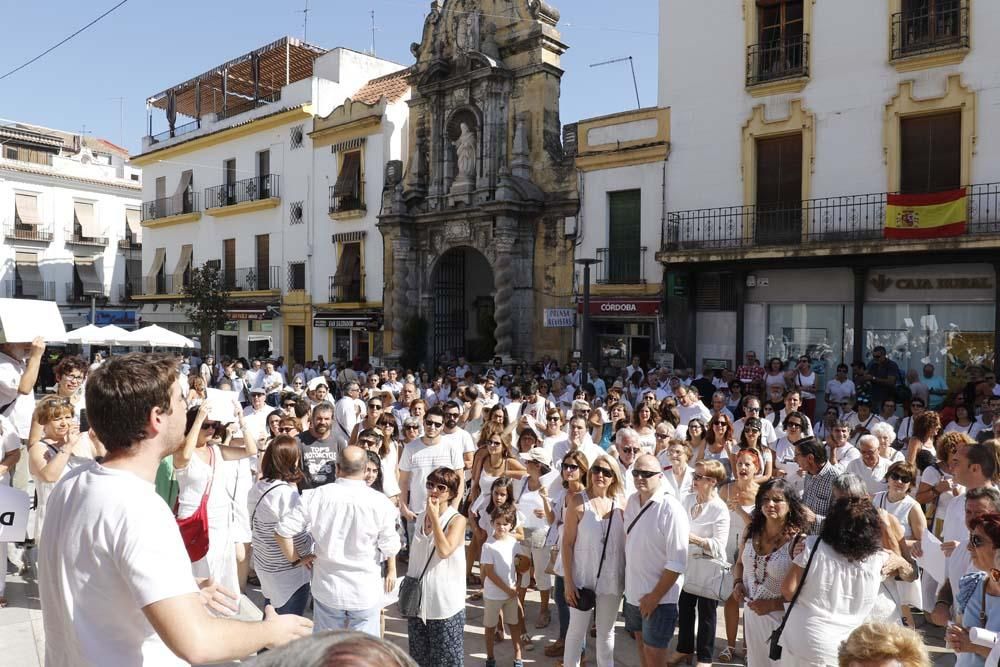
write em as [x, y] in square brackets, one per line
[315, 382]
[617, 385]
[752, 422]
[258, 390]
[539, 455]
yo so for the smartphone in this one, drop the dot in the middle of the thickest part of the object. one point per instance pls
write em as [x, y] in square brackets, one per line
[84, 422]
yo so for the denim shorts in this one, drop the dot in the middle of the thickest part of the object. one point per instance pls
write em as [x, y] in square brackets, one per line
[658, 629]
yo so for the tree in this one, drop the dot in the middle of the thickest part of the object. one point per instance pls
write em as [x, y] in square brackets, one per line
[206, 302]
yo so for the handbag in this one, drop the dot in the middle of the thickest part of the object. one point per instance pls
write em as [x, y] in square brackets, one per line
[708, 577]
[774, 652]
[194, 528]
[586, 598]
[411, 591]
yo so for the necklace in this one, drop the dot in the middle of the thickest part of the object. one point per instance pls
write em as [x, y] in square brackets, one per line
[760, 563]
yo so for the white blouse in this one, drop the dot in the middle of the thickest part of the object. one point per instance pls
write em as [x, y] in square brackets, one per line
[709, 520]
[441, 597]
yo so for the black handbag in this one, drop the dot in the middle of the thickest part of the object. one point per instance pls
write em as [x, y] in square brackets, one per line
[774, 652]
[586, 598]
[411, 590]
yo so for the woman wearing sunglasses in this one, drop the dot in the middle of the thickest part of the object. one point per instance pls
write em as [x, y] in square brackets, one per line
[593, 556]
[897, 501]
[978, 593]
[200, 468]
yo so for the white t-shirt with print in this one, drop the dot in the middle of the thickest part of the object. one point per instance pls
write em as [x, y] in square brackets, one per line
[421, 460]
[499, 554]
[118, 551]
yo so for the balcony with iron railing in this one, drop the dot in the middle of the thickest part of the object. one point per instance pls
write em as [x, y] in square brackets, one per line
[44, 290]
[74, 237]
[128, 242]
[257, 188]
[160, 285]
[831, 221]
[622, 266]
[188, 202]
[777, 60]
[935, 27]
[353, 292]
[35, 233]
[350, 203]
[76, 295]
[129, 289]
[252, 279]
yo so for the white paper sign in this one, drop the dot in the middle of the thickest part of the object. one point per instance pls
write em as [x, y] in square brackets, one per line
[933, 559]
[559, 317]
[14, 507]
[21, 320]
[222, 405]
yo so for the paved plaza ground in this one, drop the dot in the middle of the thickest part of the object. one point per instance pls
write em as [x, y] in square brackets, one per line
[22, 638]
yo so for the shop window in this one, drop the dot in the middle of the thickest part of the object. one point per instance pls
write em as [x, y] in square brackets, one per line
[931, 152]
[779, 189]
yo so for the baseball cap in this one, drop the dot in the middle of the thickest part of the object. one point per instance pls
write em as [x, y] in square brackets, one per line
[538, 454]
[315, 382]
[258, 390]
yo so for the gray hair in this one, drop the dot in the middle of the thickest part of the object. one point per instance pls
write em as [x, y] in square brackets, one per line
[627, 435]
[867, 439]
[883, 428]
[850, 485]
[335, 648]
[990, 493]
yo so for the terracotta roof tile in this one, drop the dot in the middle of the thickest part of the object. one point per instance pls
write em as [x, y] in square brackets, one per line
[391, 86]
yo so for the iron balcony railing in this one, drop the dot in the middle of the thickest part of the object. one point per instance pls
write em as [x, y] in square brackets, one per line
[19, 232]
[160, 284]
[813, 221]
[622, 266]
[940, 25]
[252, 278]
[129, 289]
[241, 107]
[350, 293]
[76, 295]
[74, 238]
[777, 60]
[345, 203]
[178, 130]
[129, 243]
[187, 202]
[249, 189]
[44, 290]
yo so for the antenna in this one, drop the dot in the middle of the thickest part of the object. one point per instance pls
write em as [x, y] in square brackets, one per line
[374, 29]
[630, 64]
[305, 22]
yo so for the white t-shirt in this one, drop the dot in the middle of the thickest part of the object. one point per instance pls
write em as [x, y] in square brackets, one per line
[420, 460]
[499, 554]
[460, 439]
[23, 405]
[118, 551]
[840, 391]
[9, 442]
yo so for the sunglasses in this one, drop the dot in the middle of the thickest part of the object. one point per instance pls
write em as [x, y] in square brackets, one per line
[452, 415]
[722, 424]
[554, 419]
[285, 429]
[374, 406]
[696, 477]
[603, 472]
[900, 478]
[976, 541]
[661, 436]
[440, 488]
[749, 409]
[413, 427]
[495, 443]
[645, 474]
[432, 424]
[751, 429]
[368, 442]
[289, 405]
[791, 425]
[570, 467]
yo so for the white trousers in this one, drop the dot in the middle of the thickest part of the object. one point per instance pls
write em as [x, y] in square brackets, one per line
[579, 625]
[757, 632]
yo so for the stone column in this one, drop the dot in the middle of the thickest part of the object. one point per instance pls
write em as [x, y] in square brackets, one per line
[504, 280]
[400, 281]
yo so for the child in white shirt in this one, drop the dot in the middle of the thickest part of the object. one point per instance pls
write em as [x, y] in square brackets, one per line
[499, 580]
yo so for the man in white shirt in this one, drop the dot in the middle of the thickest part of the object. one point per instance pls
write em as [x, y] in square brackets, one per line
[393, 384]
[629, 447]
[488, 395]
[689, 406]
[719, 406]
[456, 436]
[354, 527]
[19, 364]
[793, 403]
[419, 459]
[348, 412]
[656, 550]
[905, 430]
[252, 377]
[870, 467]
[462, 368]
[255, 414]
[839, 448]
[634, 367]
[118, 588]
[579, 440]
[840, 390]
[863, 419]
[273, 382]
[751, 408]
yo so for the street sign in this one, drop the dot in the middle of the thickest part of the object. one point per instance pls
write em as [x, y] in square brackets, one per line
[559, 317]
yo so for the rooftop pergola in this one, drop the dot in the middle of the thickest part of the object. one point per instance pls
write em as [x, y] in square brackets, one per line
[241, 83]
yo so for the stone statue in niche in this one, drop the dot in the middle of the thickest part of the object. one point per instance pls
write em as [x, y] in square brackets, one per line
[467, 32]
[465, 151]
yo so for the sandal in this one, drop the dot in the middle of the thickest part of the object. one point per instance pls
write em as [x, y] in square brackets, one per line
[498, 637]
[526, 642]
[475, 596]
[728, 654]
[544, 618]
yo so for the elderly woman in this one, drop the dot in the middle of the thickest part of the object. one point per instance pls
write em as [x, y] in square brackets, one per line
[886, 437]
[678, 475]
[593, 554]
[978, 596]
[709, 532]
[436, 635]
[875, 644]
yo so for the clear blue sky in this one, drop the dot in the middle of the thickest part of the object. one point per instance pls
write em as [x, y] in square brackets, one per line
[147, 46]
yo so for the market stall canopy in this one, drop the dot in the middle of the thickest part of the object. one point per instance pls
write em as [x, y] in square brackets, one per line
[95, 335]
[154, 336]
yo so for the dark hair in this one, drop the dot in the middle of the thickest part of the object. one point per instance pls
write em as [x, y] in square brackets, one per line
[506, 512]
[122, 393]
[322, 406]
[281, 460]
[301, 407]
[987, 456]
[795, 521]
[445, 476]
[926, 425]
[798, 415]
[497, 483]
[989, 524]
[436, 411]
[69, 364]
[990, 493]
[853, 528]
[811, 446]
[373, 458]
[903, 469]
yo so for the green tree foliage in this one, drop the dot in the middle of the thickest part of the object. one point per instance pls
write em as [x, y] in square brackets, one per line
[206, 302]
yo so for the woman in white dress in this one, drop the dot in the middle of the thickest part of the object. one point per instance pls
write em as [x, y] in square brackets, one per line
[775, 375]
[765, 556]
[594, 525]
[677, 474]
[841, 586]
[532, 499]
[198, 464]
[740, 496]
[898, 502]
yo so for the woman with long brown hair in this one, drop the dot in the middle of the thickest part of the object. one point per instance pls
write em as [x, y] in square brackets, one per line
[926, 427]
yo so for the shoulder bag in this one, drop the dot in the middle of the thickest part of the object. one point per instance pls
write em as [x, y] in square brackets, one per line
[707, 577]
[194, 529]
[774, 652]
[586, 598]
[411, 591]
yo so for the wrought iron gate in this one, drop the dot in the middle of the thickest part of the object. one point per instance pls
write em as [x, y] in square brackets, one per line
[450, 316]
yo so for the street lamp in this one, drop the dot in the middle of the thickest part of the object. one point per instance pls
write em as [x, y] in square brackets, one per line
[587, 344]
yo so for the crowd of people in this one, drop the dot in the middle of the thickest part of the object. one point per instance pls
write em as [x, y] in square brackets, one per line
[655, 498]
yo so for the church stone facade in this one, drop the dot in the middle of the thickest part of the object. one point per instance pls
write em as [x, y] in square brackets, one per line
[474, 227]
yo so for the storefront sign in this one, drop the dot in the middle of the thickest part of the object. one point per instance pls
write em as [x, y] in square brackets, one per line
[935, 284]
[882, 282]
[116, 317]
[622, 307]
[325, 322]
[249, 314]
[559, 317]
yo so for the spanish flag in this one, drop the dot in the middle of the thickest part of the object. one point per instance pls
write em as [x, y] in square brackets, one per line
[926, 216]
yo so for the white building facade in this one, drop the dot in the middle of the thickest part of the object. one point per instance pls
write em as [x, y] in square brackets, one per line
[789, 130]
[242, 185]
[69, 213]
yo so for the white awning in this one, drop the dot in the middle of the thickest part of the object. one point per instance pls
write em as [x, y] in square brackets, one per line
[85, 269]
[134, 224]
[182, 265]
[26, 207]
[84, 213]
[186, 177]
[29, 274]
[158, 261]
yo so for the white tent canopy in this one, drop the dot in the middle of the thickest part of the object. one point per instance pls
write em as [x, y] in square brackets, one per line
[94, 335]
[153, 336]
